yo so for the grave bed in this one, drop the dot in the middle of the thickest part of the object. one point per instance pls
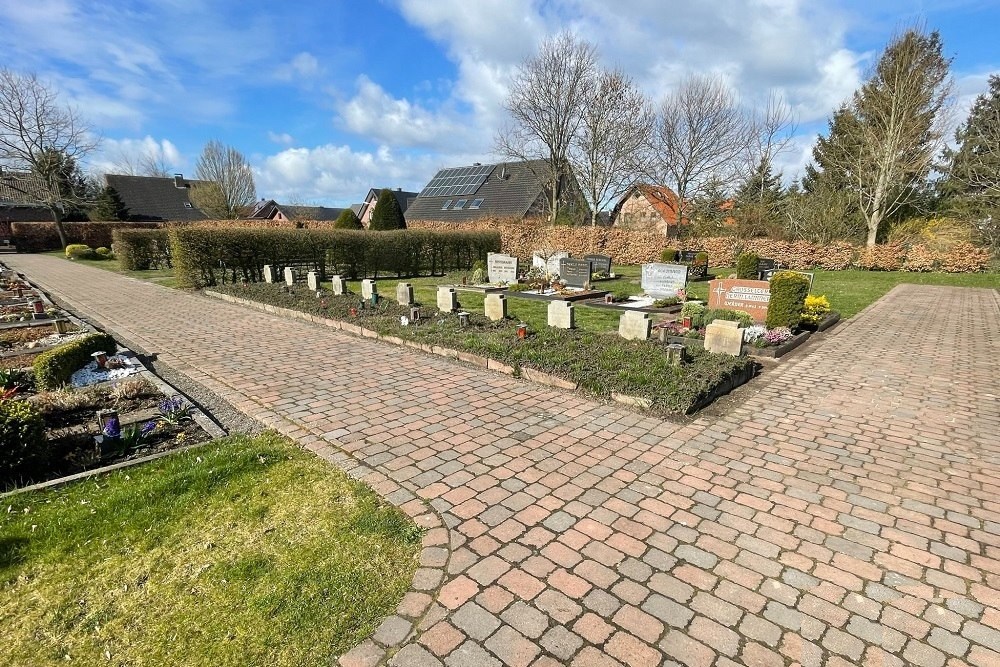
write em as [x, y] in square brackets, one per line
[827, 322]
[575, 296]
[479, 289]
[777, 351]
[669, 310]
[693, 343]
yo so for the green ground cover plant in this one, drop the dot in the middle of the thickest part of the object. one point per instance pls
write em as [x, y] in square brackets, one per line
[247, 551]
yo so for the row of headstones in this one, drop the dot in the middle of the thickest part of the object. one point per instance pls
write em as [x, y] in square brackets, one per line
[502, 268]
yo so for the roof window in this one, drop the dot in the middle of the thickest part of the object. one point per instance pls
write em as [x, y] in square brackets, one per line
[476, 203]
[446, 205]
[460, 204]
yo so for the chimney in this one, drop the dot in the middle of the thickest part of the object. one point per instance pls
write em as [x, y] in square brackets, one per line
[179, 181]
[399, 189]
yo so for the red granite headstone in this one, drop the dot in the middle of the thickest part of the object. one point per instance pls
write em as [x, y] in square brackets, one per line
[751, 296]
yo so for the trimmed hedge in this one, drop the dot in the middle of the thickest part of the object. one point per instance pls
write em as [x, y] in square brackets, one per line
[205, 257]
[42, 236]
[746, 266]
[788, 299]
[23, 446]
[142, 249]
[55, 367]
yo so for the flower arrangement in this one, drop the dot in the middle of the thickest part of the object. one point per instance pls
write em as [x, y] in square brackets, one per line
[816, 308]
[776, 336]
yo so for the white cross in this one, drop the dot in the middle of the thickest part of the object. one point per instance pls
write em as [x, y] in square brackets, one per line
[721, 291]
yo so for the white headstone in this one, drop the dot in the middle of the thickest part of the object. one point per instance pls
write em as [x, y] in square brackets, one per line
[724, 336]
[368, 289]
[290, 276]
[501, 268]
[447, 300]
[561, 315]
[312, 278]
[495, 307]
[338, 285]
[634, 325]
[404, 294]
[270, 275]
[552, 266]
[663, 280]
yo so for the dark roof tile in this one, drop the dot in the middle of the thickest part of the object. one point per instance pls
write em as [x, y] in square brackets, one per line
[155, 198]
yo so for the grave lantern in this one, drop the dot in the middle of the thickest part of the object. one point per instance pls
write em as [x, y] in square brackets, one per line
[463, 319]
[414, 314]
[675, 354]
[522, 331]
[352, 311]
[38, 307]
[101, 358]
[609, 298]
[686, 322]
[319, 294]
[20, 292]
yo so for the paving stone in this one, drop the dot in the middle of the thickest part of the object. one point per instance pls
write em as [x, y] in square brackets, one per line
[470, 654]
[512, 648]
[475, 621]
[561, 643]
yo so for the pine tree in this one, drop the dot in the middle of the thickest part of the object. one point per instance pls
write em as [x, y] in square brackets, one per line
[109, 206]
[348, 219]
[972, 183]
[387, 214]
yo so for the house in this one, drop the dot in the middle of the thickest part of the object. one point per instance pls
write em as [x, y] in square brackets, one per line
[21, 197]
[268, 209]
[504, 190]
[403, 197]
[153, 198]
[647, 207]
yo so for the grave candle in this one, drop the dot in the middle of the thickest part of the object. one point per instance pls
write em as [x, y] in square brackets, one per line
[522, 331]
[101, 358]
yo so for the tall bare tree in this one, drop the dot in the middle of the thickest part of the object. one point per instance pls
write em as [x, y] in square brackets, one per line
[615, 125]
[770, 133]
[700, 138]
[234, 192]
[546, 101]
[150, 162]
[42, 139]
[883, 143]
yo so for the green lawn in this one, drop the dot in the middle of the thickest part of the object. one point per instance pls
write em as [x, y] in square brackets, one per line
[163, 277]
[247, 551]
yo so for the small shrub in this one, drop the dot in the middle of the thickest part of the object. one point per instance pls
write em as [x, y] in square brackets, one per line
[55, 367]
[668, 255]
[519, 287]
[23, 446]
[668, 301]
[104, 253]
[131, 388]
[788, 297]
[348, 219]
[691, 309]
[744, 318]
[620, 295]
[79, 251]
[387, 214]
[746, 266]
[816, 308]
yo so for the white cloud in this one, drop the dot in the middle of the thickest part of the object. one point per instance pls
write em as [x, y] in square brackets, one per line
[281, 138]
[304, 66]
[115, 156]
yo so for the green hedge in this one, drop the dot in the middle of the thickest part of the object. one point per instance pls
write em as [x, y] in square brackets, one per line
[788, 298]
[142, 249]
[746, 266]
[42, 236]
[23, 446]
[204, 257]
[55, 367]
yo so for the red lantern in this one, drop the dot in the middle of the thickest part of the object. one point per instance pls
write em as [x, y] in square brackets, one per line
[522, 331]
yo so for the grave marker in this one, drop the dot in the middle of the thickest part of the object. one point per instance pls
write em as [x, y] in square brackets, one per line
[751, 296]
[368, 289]
[690, 257]
[575, 272]
[404, 294]
[764, 265]
[290, 276]
[495, 307]
[561, 315]
[270, 275]
[312, 279]
[447, 300]
[724, 337]
[338, 285]
[599, 263]
[552, 265]
[770, 274]
[663, 280]
[634, 325]
[501, 268]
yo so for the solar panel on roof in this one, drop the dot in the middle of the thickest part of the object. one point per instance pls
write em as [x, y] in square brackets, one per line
[457, 181]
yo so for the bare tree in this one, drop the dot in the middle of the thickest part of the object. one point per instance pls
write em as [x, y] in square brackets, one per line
[769, 134]
[892, 129]
[546, 101]
[615, 125]
[41, 139]
[700, 138]
[150, 162]
[234, 192]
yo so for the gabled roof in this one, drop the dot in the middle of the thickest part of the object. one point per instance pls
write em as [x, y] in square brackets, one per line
[403, 197]
[508, 190]
[155, 198]
[22, 187]
[322, 213]
[660, 197]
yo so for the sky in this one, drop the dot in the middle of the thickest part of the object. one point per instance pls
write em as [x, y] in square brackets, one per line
[329, 98]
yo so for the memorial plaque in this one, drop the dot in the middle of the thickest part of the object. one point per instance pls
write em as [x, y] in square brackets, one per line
[599, 263]
[750, 296]
[764, 265]
[552, 265]
[690, 257]
[501, 268]
[575, 272]
[663, 280]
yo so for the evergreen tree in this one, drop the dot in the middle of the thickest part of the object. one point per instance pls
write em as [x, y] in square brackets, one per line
[387, 214]
[972, 182]
[109, 206]
[348, 219]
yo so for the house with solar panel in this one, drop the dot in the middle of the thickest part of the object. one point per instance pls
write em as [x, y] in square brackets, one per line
[503, 190]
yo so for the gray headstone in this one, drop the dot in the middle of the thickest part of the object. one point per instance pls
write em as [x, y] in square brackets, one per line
[404, 294]
[724, 337]
[501, 268]
[312, 278]
[561, 315]
[495, 307]
[290, 276]
[447, 300]
[552, 266]
[634, 325]
[662, 280]
[599, 263]
[339, 285]
[270, 275]
[575, 272]
[368, 288]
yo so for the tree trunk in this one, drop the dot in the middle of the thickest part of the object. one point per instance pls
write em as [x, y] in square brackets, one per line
[57, 218]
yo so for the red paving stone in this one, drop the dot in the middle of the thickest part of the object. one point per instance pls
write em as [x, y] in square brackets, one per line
[847, 513]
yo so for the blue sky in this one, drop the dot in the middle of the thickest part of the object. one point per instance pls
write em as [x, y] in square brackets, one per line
[329, 98]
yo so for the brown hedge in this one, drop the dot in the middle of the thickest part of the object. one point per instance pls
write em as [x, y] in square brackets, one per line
[42, 236]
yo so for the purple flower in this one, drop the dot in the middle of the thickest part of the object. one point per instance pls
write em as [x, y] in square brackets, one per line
[148, 427]
[112, 428]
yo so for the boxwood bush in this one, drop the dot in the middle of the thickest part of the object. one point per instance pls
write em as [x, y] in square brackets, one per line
[746, 266]
[142, 249]
[204, 257]
[55, 367]
[788, 298]
[79, 251]
[23, 446]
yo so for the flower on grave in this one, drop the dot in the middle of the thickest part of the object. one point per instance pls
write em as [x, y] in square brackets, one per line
[112, 428]
[682, 294]
[754, 333]
[777, 336]
[148, 428]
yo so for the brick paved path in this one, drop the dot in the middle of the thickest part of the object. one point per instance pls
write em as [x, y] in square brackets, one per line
[846, 514]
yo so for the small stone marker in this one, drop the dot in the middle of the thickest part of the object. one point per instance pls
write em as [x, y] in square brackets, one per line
[495, 307]
[764, 265]
[724, 336]
[575, 272]
[368, 289]
[270, 275]
[404, 294]
[751, 296]
[634, 325]
[663, 280]
[552, 266]
[501, 268]
[290, 276]
[599, 263]
[561, 315]
[447, 300]
[312, 278]
[338, 285]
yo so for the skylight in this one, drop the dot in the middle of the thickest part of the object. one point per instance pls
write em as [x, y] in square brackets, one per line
[446, 205]
[460, 204]
[476, 203]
